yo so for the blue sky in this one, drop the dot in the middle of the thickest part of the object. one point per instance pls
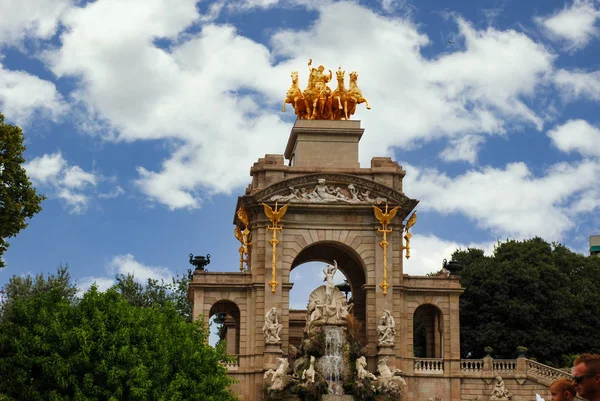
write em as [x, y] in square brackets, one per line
[142, 119]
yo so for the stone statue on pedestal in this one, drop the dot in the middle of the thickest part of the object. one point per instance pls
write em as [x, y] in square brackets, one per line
[386, 328]
[272, 327]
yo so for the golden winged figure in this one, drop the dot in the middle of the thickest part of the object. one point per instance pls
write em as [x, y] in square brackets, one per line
[385, 218]
[242, 215]
[411, 221]
[238, 234]
[275, 215]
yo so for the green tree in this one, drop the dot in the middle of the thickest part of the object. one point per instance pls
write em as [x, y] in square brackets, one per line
[18, 200]
[529, 293]
[156, 293]
[54, 346]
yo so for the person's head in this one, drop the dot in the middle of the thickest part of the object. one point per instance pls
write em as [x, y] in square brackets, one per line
[586, 376]
[562, 390]
[321, 68]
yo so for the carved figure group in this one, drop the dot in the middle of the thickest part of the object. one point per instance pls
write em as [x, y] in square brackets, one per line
[279, 375]
[389, 380]
[272, 327]
[327, 304]
[318, 101]
[361, 370]
[499, 392]
[309, 374]
[386, 328]
[323, 193]
[388, 374]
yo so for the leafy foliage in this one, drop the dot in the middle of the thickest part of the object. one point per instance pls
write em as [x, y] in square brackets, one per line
[102, 347]
[529, 293]
[156, 293]
[18, 200]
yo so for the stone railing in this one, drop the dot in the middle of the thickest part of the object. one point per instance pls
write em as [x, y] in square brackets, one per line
[233, 365]
[429, 365]
[510, 368]
[504, 365]
[545, 372]
[471, 365]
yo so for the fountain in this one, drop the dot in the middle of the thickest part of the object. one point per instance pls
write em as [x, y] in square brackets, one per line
[328, 364]
[332, 364]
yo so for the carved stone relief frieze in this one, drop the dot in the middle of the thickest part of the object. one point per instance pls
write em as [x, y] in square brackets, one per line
[323, 193]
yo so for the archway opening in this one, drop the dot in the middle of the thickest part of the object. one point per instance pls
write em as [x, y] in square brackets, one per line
[224, 318]
[428, 332]
[306, 277]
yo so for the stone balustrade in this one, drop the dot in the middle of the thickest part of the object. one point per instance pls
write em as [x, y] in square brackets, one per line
[504, 365]
[510, 368]
[471, 365]
[545, 372]
[429, 365]
[232, 365]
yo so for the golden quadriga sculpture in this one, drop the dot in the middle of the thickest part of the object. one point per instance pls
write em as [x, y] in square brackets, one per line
[318, 101]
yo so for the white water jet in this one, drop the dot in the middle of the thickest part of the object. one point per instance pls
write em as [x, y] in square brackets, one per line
[332, 361]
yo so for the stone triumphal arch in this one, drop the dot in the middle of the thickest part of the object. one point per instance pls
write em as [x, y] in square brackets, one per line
[330, 216]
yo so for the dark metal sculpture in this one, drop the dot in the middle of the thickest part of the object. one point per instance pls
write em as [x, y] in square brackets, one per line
[453, 267]
[200, 262]
[344, 287]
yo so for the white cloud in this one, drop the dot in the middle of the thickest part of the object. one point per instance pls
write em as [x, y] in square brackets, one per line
[215, 94]
[497, 69]
[248, 4]
[124, 264]
[463, 148]
[45, 169]
[30, 19]
[575, 25]
[84, 284]
[578, 84]
[127, 264]
[510, 202]
[577, 136]
[427, 253]
[113, 194]
[70, 183]
[76, 178]
[23, 94]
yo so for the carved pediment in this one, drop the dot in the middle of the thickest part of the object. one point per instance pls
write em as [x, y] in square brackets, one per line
[333, 189]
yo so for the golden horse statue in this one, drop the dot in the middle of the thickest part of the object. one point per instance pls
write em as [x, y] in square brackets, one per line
[354, 95]
[295, 98]
[339, 108]
[318, 102]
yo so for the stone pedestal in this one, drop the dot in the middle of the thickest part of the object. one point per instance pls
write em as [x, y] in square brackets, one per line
[272, 352]
[384, 351]
[324, 143]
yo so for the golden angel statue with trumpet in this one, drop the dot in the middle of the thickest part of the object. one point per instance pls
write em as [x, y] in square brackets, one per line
[275, 217]
[384, 219]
